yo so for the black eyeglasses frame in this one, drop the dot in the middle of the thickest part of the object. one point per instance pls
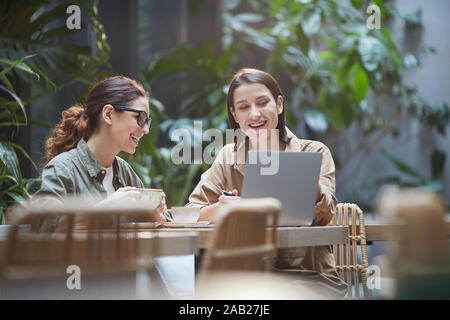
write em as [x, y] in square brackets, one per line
[148, 120]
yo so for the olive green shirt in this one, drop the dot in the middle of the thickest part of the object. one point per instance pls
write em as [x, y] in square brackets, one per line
[78, 172]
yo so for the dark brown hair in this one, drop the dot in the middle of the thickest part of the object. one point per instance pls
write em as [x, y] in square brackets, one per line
[249, 76]
[81, 122]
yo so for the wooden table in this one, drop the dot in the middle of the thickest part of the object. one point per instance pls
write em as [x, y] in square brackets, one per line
[288, 237]
[142, 280]
[152, 244]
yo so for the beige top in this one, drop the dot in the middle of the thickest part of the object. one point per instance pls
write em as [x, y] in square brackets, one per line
[227, 173]
[228, 170]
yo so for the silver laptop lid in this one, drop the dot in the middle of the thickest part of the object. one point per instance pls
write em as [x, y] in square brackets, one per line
[291, 177]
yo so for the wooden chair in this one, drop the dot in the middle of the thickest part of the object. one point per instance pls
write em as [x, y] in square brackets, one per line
[420, 260]
[240, 241]
[103, 244]
[346, 255]
[107, 252]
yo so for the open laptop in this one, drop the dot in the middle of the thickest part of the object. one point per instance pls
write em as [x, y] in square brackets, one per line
[291, 177]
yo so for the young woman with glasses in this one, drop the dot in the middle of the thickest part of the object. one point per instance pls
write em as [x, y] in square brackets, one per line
[82, 151]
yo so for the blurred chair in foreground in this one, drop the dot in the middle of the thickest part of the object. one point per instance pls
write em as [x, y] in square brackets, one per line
[104, 247]
[240, 241]
[239, 261]
[346, 255]
[250, 285]
[420, 259]
[241, 251]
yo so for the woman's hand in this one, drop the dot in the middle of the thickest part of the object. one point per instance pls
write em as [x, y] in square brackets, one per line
[122, 194]
[226, 199]
[208, 213]
[161, 209]
[125, 194]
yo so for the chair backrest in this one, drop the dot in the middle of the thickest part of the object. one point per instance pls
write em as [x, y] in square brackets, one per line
[244, 238]
[346, 255]
[424, 241]
[420, 260]
[102, 246]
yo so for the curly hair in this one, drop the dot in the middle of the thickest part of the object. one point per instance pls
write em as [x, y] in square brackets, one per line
[67, 133]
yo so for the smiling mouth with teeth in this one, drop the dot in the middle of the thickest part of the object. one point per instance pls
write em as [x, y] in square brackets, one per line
[135, 139]
[257, 125]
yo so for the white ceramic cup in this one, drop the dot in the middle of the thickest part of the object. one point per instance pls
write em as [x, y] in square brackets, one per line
[185, 215]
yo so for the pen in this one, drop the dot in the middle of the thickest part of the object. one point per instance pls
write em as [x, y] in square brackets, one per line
[226, 193]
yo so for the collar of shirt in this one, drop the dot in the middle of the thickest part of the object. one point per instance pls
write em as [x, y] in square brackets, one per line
[93, 166]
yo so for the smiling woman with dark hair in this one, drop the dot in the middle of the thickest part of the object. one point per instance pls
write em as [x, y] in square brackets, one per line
[255, 106]
[82, 151]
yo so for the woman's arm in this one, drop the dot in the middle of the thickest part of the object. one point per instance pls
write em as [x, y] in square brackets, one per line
[208, 192]
[208, 213]
[326, 200]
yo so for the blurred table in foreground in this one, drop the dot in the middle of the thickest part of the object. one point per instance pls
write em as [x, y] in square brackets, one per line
[379, 230]
[140, 280]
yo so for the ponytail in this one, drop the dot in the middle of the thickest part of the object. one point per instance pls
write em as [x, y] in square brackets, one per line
[67, 133]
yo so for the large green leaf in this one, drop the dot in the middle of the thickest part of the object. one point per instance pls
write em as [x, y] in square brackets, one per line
[17, 99]
[21, 149]
[9, 158]
[311, 20]
[371, 52]
[19, 64]
[360, 84]
[316, 121]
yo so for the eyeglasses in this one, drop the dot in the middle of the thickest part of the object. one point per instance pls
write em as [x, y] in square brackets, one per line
[142, 119]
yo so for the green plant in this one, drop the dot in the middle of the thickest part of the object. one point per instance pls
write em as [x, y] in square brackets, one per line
[330, 65]
[332, 61]
[200, 90]
[36, 31]
[202, 80]
[39, 27]
[337, 72]
[412, 177]
[13, 187]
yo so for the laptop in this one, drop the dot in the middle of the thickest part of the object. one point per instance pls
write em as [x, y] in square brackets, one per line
[291, 177]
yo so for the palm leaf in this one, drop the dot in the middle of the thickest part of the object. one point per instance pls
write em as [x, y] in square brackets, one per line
[10, 161]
